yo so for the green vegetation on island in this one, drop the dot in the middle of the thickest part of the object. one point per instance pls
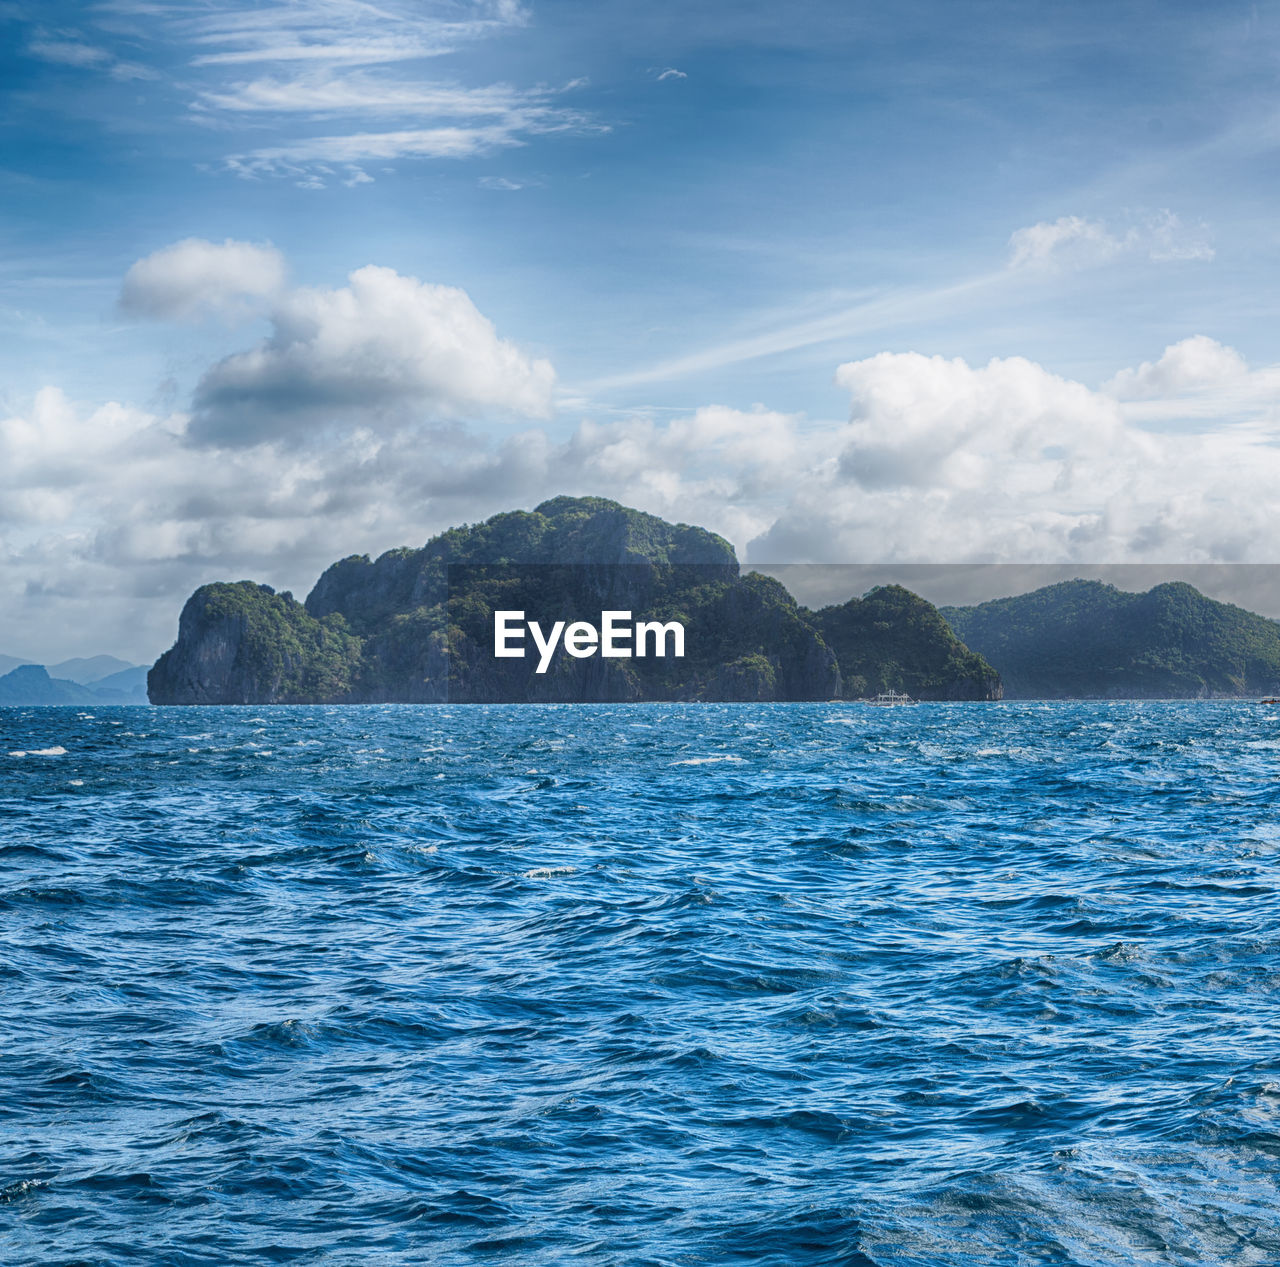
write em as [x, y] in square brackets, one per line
[892, 639]
[1089, 640]
[416, 625]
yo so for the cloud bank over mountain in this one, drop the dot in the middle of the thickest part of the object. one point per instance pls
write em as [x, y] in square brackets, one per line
[119, 511]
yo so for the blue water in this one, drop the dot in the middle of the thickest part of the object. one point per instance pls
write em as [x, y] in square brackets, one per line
[784, 984]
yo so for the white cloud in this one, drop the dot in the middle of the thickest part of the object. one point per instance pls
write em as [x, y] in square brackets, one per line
[383, 349]
[360, 147]
[69, 49]
[1194, 363]
[332, 81]
[1165, 237]
[464, 122]
[333, 64]
[342, 31]
[920, 422]
[322, 93]
[672, 73]
[945, 462]
[1072, 242]
[196, 278]
[68, 52]
[1069, 239]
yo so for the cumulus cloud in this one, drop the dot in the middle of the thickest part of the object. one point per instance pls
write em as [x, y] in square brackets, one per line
[381, 350]
[1194, 363]
[921, 422]
[947, 462]
[195, 278]
[1072, 242]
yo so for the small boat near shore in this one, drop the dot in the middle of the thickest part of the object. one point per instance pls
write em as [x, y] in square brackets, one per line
[890, 699]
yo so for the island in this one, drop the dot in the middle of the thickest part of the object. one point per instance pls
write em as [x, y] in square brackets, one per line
[1084, 639]
[416, 625]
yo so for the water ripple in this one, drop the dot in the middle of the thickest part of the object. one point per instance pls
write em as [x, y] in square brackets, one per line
[777, 984]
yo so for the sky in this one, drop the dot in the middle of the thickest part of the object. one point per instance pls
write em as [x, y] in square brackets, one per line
[933, 282]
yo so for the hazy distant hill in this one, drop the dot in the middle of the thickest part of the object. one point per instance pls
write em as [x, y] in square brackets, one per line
[1085, 640]
[32, 684]
[130, 683]
[91, 669]
[405, 628]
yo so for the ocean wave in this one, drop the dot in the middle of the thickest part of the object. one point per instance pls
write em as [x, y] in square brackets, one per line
[961, 987]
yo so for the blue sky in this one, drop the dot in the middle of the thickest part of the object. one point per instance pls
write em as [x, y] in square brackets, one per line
[846, 282]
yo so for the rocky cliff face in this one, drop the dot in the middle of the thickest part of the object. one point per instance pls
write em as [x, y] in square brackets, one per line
[416, 626]
[243, 643]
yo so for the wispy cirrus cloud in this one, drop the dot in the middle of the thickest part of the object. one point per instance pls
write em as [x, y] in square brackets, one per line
[309, 159]
[460, 121]
[1075, 242]
[67, 52]
[72, 50]
[343, 31]
[320, 82]
[322, 93]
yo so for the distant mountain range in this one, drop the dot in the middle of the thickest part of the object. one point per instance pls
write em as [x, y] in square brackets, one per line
[99, 679]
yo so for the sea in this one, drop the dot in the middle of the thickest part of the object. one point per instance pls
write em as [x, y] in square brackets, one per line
[791, 984]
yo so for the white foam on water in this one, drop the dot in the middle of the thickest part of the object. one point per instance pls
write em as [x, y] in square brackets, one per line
[708, 760]
[56, 751]
[547, 873]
